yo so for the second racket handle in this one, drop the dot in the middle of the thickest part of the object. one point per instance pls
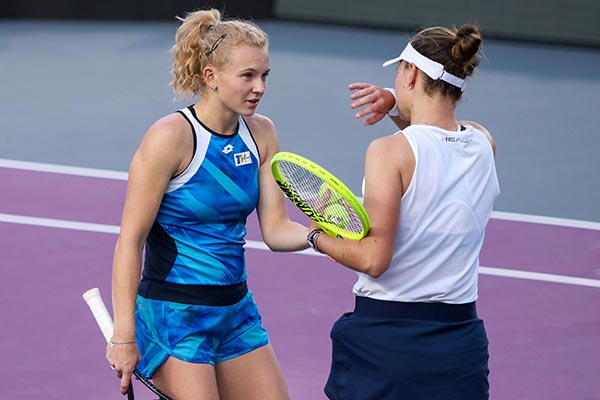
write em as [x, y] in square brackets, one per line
[93, 298]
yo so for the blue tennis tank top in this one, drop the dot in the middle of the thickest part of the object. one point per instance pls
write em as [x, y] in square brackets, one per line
[198, 235]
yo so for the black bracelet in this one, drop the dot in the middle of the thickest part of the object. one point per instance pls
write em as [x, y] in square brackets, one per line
[311, 238]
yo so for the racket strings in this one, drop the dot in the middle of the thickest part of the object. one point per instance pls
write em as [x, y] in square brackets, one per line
[321, 197]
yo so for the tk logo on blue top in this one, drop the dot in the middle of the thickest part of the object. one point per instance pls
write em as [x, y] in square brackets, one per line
[242, 158]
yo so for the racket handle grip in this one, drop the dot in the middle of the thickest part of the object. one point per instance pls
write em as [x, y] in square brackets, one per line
[93, 298]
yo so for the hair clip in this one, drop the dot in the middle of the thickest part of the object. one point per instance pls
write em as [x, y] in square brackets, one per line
[217, 43]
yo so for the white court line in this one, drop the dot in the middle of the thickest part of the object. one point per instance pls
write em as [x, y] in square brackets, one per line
[258, 245]
[538, 219]
[118, 175]
[59, 223]
[63, 169]
[538, 276]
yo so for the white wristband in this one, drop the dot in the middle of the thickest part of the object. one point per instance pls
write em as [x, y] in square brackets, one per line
[394, 111]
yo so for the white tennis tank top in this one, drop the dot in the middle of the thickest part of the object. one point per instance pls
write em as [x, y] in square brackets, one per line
[443, 216]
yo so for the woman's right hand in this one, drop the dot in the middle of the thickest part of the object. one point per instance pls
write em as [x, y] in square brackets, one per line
[123, 358]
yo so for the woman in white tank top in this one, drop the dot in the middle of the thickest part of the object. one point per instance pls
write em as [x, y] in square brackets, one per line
[429, 192]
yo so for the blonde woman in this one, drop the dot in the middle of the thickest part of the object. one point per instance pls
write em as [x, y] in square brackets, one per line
[191, 323]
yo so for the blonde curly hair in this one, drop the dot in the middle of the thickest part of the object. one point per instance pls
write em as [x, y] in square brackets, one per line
[205, 39]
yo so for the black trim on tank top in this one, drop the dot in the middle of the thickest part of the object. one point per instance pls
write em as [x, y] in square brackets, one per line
[237, 126]
[252, 137]
[195, 143]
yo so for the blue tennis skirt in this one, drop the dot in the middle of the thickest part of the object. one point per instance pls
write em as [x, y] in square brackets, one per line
[196, 333]
[415, 351]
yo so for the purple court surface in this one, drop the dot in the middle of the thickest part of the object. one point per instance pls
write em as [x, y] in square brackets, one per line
[539, 297]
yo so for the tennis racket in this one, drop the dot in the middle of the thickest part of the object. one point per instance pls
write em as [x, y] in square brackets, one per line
[320, 195]
[94, 301]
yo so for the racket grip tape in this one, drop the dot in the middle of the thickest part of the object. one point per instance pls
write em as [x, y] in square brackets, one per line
[93, 298]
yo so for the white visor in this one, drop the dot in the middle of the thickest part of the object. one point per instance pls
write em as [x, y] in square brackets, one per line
[432, 69]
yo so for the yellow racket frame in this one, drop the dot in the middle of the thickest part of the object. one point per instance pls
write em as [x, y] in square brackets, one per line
[334, 183]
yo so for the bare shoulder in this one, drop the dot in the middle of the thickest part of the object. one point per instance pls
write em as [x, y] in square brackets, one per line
[390, 145]
[260, 125]
[264, 133]
[391, 153]
[169, 141]
[481, 128]
[171, 127]
[389, 166]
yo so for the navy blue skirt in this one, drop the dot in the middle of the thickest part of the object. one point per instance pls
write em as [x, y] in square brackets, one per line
[388, 350]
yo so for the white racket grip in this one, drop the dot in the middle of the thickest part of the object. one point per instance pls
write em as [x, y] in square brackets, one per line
[94, 301]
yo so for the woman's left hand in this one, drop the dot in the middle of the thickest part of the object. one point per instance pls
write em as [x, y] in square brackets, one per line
[378, 101]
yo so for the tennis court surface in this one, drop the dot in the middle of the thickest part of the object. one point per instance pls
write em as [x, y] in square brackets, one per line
[539, 296]
[82, 94]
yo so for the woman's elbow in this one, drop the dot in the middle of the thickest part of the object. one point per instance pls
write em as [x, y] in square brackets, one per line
[271, 237]
[279, 243]
[274, 247]
[271, 244]
[376, 266]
